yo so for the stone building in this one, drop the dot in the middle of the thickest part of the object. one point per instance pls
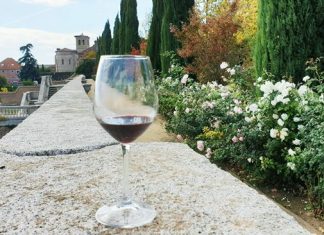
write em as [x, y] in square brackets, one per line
[67, 60]
[9, 68]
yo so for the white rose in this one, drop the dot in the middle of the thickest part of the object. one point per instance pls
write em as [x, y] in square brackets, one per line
[223, 65]
[291, 166]
[296, 119]
[291, 152]
[306, 78]
[275, 116]
[273, 133]
[284, 116]
[280, 122]
[296, 142]
[200, 145]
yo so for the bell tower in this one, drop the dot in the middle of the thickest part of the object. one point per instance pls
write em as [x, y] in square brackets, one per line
[82, 42]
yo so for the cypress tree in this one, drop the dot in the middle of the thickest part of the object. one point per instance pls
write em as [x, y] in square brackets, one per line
[289, 33]
[106, 40]
[131, 29]
[154, 39]
[175, 12]
[115, 41]
[122, 28]
[182, 10]
[168, 42]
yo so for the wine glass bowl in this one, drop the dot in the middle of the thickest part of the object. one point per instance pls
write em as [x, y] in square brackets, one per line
[125, 104]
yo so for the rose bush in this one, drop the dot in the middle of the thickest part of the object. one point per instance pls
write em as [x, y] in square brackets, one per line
[271, 130]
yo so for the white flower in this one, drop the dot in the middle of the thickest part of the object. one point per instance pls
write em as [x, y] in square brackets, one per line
[273, 133]
[259, 79]
[291, 166]
[175, 113]
[247, 119]
[179, 137]
[223, 65]
[216, 124]
[284, 116]
[237, 102]
[302, 90]
[306, 78]
[296, 119]
[200, 145]
[253, 107]
[235, 139]
[249, 160]
[237, 110]
[187, 110]
[184, 79]
[291, 152]
[231, 71]
[280, 122]
[283, 133]
[267, 88]
[224, 95]
[208, 153]
[299, 127]
[274, 102]
[275, 116]
[241, 138]
[296, 142]
[321, 98]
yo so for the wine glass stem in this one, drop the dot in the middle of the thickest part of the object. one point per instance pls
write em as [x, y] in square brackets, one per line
[126, 195]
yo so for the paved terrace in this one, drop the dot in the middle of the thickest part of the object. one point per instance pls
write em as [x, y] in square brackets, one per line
[59, 167]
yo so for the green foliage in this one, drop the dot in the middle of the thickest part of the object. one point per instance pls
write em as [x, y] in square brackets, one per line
[289, 33]
[27, 82]
[3, 82]
[29, 69]
[87, 68]
[271, 130]
[154, 39]
[115, 41]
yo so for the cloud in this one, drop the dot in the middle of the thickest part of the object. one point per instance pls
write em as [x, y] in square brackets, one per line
[51, 3]
[45, 43]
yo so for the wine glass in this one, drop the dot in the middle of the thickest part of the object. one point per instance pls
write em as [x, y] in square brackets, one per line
[125, 104]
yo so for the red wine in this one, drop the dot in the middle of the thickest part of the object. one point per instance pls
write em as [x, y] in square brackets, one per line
[126, 129]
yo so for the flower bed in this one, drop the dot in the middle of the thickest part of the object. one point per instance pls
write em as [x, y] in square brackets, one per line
[273, 130]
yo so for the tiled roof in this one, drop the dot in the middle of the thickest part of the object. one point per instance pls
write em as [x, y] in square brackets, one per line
[65, 49]
[9, 64]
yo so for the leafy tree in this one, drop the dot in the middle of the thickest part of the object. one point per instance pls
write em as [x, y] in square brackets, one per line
[154, 39]
[87, 68]
[29, 64]
[115, 41]
[3, 82]
[289, 32]
[209, 43]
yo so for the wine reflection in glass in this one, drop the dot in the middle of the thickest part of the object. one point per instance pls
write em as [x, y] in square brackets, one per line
[125, 104]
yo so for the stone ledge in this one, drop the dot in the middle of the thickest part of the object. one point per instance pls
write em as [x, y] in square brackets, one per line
[64, 124]
[60, 194]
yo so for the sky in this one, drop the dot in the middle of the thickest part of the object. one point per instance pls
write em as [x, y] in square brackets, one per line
[52, 24]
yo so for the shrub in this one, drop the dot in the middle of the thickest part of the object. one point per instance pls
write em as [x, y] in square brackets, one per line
[272, 130]
[206, 44]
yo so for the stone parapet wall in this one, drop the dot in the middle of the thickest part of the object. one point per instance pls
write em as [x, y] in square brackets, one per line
[59, 166]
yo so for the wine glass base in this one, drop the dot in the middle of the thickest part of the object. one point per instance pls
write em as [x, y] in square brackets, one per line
[128, 215]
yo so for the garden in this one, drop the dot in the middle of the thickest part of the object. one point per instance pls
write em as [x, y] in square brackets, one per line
[248, 101]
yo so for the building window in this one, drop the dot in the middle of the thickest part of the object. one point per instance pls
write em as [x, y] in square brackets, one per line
[70, 61]
[83, 41]
[62, 61]
[79, 42]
